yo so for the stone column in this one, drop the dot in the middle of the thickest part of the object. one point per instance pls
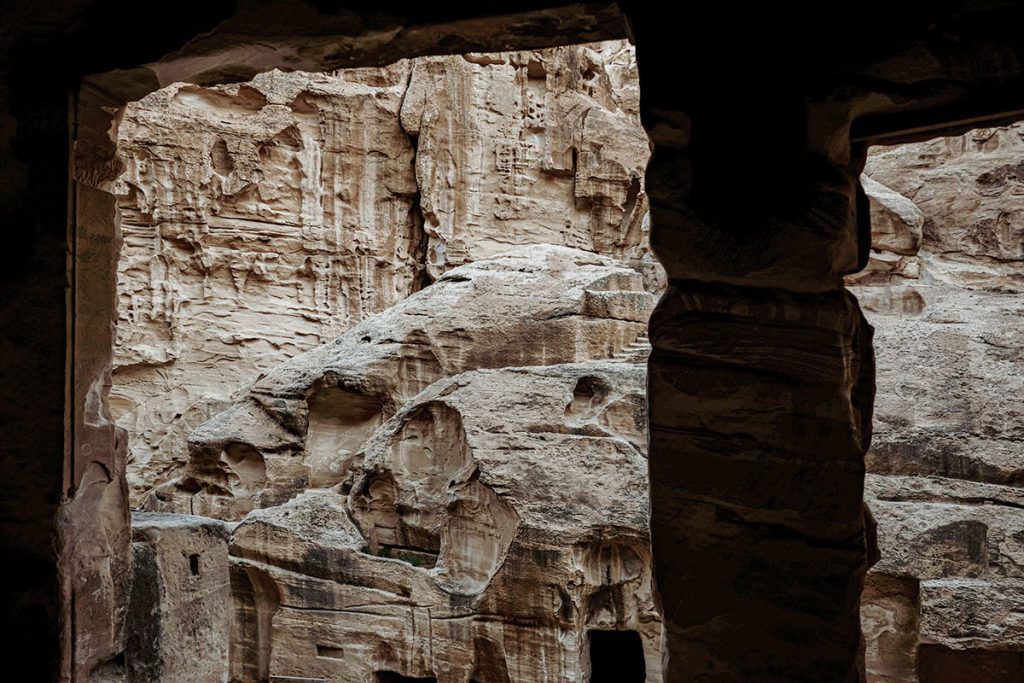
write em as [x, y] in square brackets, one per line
[761, 384]
[94, 517]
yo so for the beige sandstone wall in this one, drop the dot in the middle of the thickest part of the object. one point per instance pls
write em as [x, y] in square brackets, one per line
[945, 293]
[262, 219]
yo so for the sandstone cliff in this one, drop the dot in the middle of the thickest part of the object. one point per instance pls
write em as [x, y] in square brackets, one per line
[390, 325]
[945, 468]
[483, 531]
[301, 425]
[262, 219]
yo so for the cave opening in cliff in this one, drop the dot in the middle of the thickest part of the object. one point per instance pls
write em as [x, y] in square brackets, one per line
[392, 677]
[943, 290]
[382, 332]
[616, 657]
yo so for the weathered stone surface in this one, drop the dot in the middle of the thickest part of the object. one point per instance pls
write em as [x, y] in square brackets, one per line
[179, 613]
[300, 426]
[259, 220]
[948, 380]
[969, 187]
[946, 487]
[952, 569]
[528, 147]
[889, 616]
[482, 532]
[896, 228]
[739, 482]
[262, 219]
[418, 537]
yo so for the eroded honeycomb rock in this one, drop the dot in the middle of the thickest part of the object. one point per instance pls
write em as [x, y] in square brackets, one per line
[482, 533]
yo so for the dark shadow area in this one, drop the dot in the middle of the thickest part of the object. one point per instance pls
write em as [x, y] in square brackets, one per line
[392, 677]
[938, 664]
[616, 657]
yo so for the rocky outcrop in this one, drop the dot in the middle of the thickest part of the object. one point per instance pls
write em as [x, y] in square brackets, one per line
[301, 425]
[262, 219]
[487, 483]
[455, 486]
[943, 293]
[969, 189]
[528, 148]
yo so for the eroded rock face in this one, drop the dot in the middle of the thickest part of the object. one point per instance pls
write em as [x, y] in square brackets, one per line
[969, 189]
[412, 505]
[301, 425]
[943, 292]
[263, 219]
[528, 148]
[482, 533]
[179, 612]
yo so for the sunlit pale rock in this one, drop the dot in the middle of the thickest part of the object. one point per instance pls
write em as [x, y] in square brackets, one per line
[943, 294]
[482, 533]
[263, 219]
[301, 425]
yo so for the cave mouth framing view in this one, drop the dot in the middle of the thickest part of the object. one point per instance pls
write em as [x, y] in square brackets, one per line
[379, 358]
[371, 372]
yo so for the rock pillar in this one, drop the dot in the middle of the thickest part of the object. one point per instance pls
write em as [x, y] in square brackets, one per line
[761, 385]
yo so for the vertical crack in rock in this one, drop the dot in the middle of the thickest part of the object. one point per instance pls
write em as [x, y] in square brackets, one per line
[424, 278]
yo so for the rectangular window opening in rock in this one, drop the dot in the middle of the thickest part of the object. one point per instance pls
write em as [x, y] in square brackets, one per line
[392, 677]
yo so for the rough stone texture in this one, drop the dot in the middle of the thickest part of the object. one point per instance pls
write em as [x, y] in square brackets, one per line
[301, 424]
[943, 292]
[528, 148]
[919, 71]
[179, 614]
[482, 532]
[262, 219]
[258, 220]
[532, 129]
[969, 188]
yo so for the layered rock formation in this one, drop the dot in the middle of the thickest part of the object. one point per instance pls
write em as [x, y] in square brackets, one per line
[944, 293]
[262, 219]
[301, 425]
[483, 522]
[483, 532]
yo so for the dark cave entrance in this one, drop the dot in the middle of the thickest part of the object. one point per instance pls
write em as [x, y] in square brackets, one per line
[616, 657]
[392, 677]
